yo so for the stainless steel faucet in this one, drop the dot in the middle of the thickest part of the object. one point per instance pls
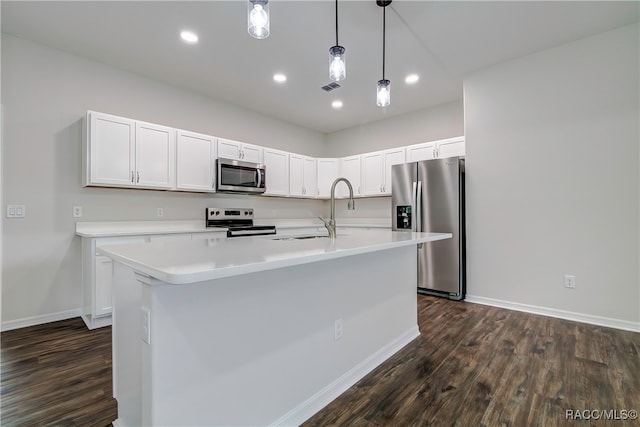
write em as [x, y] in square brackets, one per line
[331, 223]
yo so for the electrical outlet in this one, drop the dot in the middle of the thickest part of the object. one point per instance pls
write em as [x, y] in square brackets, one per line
[337, 329]
[569, 281]
[160, 212]
[146, 325]
[77, 211]
[16, 211]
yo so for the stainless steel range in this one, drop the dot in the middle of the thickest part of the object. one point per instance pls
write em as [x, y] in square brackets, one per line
[238, 221]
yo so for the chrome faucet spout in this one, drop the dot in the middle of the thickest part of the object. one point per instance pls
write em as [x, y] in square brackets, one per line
[330, 224]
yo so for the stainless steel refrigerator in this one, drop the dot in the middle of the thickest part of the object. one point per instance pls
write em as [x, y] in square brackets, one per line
[429, 196]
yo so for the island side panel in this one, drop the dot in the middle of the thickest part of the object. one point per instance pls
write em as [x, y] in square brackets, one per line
[247, 350]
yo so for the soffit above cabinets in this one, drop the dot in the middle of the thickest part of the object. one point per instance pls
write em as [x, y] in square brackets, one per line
[442, 41]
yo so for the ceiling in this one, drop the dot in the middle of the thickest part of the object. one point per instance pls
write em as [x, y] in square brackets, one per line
[442, 41]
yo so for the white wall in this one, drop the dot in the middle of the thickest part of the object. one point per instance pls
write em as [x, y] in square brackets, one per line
[440, 122]
[552, 179]
[45, 94]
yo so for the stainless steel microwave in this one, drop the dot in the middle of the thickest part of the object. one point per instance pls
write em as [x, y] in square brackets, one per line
[235, 176]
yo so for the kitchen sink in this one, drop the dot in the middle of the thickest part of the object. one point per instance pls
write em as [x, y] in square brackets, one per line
[306, 237]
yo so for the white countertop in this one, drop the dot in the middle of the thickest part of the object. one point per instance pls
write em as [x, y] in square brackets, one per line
[135, 228]
[193, 261]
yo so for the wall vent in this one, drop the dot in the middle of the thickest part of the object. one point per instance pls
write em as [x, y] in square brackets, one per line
[331, 86]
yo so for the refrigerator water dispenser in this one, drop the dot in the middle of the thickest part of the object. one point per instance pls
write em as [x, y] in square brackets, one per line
[403, 217]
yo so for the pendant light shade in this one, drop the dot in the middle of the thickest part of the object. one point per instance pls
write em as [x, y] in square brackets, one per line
[337, 64]
[258, 18]
[384, 93]
[383, 96]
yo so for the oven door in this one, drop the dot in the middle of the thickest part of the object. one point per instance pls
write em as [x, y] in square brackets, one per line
[235, 176]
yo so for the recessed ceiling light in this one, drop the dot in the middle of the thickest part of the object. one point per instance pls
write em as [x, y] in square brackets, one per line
[280, 78]
[336, 104]
[189, 37]
[411, 79]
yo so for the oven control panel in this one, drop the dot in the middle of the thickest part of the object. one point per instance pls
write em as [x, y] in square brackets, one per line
[229, 214]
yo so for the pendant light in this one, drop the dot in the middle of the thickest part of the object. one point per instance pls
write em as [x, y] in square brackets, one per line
[383, 98]
[258, 18]
[337, 66]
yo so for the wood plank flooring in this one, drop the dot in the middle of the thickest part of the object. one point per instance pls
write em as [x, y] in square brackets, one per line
[473, 365]
[56, 374]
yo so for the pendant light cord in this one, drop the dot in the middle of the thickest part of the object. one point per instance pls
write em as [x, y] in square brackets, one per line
[384, 37]
[337, 23]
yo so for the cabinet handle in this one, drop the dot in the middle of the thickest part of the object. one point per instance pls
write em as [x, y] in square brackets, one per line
[132, 180]
[137, 177]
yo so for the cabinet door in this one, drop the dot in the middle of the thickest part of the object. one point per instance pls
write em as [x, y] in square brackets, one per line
[418, 152]
[228, 149]
[296, 176]
[372, 174]
[195, 162]
[155, 151]
[327, 173]
[350, 169]
[103, 285]
[111, 143]
[252, 153]
[277, 172]
[310, 179]
[391, 157]
[451, 147]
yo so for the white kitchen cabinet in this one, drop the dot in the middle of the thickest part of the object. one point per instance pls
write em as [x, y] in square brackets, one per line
[235, 150]
[419, 152]
[277, 172]
[350, 169]
[195, 162]
[436, 149]
[327, 173]
[303, 176]
[376, 171]
[451, 147]
[104, 278]
[155, 156]
[120, 152]
[109, 150]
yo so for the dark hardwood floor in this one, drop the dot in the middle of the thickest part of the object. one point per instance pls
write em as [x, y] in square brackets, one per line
[473, 365]
[56, 374]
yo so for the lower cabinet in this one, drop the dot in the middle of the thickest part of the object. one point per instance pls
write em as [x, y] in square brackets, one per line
[97, 274]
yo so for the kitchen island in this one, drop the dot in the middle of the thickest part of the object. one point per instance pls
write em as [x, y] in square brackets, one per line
[256, 330]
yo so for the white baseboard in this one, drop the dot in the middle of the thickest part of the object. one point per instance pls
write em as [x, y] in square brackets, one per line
[39, 320]
[561, 314]
[322, 398]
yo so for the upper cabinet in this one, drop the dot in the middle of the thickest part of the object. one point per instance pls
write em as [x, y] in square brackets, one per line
[303, 176]
[350, 169]
[450, 147]
[195, 162]
[120, 152]
[327, 173]
[436, 149]
[277, 172]
[128, 153]
[234, 150]
[376, 171]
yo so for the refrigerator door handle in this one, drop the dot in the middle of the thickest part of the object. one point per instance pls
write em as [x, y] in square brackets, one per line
[413, 204]
[419, 207]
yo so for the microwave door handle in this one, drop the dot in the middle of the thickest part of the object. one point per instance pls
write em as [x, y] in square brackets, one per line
[259, 177]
